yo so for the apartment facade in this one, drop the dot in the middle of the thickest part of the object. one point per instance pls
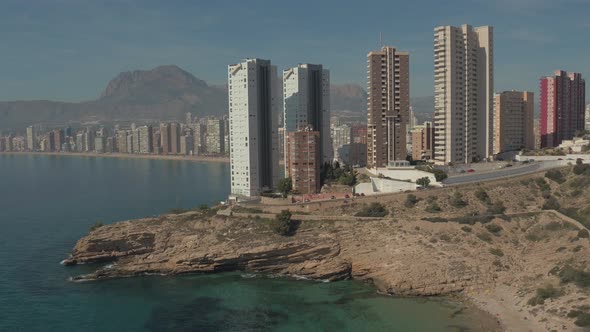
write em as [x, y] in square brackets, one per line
[306, 102]
[513, 121]
[388, 106]
[31, 139]
[423, 141]
[215, 137]
[562, 107]
[303, 157]
[463, 93]
[341, 135]
[253, 124]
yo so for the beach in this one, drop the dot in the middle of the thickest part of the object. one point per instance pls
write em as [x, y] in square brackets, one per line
[127, 156]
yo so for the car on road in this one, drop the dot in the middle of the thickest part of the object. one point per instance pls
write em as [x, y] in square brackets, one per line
[471, 170]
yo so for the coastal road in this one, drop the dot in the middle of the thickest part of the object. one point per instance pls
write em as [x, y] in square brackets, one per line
[503, 173]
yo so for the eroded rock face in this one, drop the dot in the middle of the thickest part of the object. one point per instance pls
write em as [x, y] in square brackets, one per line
[189, 244]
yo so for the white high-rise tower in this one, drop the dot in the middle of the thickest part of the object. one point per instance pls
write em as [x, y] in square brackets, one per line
[253, 123]
[306, 91]
[463, 93]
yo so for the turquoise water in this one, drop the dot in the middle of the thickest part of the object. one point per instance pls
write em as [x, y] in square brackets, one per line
[48, 202]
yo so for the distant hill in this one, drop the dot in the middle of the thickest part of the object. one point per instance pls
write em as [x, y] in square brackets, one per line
[348, 97]
[423, 108]
[162, 93]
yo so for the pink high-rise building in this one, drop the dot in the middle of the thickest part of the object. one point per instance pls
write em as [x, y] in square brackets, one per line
[562, 107]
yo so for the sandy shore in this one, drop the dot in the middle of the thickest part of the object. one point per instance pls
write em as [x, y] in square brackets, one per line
[126, 156]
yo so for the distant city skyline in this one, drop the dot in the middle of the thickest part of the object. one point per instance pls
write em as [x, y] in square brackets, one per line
[68, 50]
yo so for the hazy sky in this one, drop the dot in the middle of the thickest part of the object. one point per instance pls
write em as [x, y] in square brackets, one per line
[70, 49]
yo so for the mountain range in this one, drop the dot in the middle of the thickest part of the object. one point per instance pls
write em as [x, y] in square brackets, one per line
[161, 94]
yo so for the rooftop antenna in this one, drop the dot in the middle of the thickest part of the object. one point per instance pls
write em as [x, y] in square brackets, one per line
[380, 39]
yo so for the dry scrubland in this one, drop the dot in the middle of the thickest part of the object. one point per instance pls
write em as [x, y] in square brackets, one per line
[498, 244]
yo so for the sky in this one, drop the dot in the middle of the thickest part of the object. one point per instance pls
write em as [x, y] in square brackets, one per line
[69, 49]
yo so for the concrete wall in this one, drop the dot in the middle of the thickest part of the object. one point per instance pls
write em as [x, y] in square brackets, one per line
[381, 186]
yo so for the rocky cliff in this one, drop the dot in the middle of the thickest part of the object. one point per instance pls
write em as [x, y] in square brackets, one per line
[201, 244]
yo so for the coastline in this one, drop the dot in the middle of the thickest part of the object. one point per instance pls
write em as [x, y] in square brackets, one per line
[125, 156]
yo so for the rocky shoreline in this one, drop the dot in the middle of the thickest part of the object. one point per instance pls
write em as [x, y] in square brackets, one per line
[498, 265]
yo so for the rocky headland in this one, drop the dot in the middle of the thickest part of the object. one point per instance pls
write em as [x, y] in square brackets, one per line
[523, 264]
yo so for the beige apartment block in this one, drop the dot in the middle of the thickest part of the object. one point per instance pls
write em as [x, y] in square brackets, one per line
[388, 105]
[513, 121]
[463, 93]
[303, 158]
[422, 141]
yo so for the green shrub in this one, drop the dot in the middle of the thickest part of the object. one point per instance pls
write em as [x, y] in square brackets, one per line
[466, 229]
[582, 317]
[283, 225]
[551, 203]
[493, 228]
[372, 210]
[583, 234]
[496, 252]
[580, 169]
[485, 237]
[285, 186]
[424, 182]
[439, 175]
[496, 208]
[570, 274]
[542, 184]
[432, 208]
[411, 201]
[483, 196]
[457, 200]
[96, 226]
[555, 175]
[445, 237]
[544, 293]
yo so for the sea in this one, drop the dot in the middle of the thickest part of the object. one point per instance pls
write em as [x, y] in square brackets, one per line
[48, 202]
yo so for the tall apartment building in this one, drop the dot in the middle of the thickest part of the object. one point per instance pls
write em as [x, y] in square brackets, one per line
[463, 93]
[174, 138]
[215, 137]
[306, 102]
[388, 106]
[587, 118]
[145, 139]
[89, 140]
[423, 141]
[121, 141]
[303, 157]
[186, 144]
[341, 135]
[165, 138]
[513, 121]
[31, 139]
[198, 134]
[59, 138]
[359, 133]
[253, 121]
[562, 107]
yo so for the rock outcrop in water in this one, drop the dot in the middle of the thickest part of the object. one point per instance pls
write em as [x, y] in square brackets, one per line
[500, 262]
[193, 243]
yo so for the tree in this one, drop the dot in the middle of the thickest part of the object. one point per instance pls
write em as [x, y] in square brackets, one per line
[439, 174]
[424, 182]
[283, 225]
[372, 210]
[411, 200]
[285, 186]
